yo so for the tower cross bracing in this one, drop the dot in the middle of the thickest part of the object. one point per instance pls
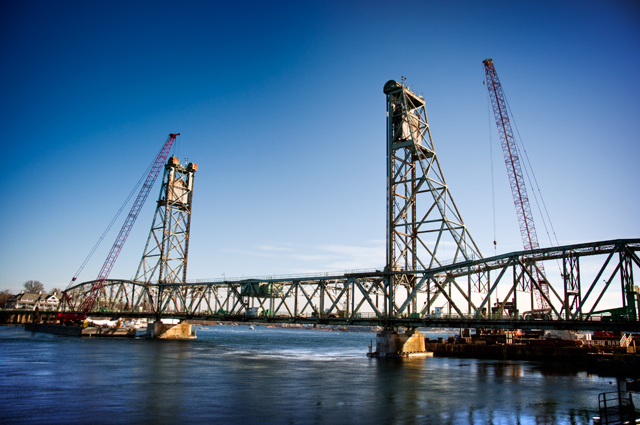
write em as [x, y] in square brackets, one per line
[423, 222]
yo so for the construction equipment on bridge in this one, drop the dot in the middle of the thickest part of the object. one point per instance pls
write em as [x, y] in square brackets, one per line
[80, 311]
[539, 285]
[260, 289]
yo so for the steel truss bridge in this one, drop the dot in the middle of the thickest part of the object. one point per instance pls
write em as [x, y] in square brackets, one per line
[417, 287]
[464, 294]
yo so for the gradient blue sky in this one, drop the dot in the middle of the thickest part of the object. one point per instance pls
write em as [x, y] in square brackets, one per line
[281, 106]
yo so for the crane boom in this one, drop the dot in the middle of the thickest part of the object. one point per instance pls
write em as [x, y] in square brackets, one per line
[514, 171]
[82, 311]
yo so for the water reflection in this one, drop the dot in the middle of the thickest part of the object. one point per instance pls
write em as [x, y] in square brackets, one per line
[275, 376]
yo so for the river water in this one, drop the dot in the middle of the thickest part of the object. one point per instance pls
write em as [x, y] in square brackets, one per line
[234, 375]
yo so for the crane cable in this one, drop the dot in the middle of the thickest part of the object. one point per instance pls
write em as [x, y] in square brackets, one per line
[493, 188]
[124, 204]
[534, 184]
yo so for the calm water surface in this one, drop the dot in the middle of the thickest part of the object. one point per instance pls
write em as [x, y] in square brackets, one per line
[233, 375]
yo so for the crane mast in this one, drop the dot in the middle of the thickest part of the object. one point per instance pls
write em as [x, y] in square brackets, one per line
[516, 179]
[81, 312]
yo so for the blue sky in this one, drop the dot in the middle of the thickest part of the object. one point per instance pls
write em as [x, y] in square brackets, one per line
[281, 106]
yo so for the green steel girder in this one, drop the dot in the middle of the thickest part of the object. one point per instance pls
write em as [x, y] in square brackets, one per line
[616, 258]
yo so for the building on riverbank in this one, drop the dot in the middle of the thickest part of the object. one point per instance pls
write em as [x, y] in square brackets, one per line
[30, 300]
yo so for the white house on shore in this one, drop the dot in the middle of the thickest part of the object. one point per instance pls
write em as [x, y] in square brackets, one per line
[29, 301]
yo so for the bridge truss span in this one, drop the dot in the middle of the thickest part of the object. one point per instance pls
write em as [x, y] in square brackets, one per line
[491, 292]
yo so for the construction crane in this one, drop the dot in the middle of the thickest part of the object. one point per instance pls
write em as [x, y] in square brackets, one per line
[81, 312]
[516, 179]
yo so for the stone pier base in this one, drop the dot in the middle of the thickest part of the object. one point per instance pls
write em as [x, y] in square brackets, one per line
[159, 330]
[392, 344]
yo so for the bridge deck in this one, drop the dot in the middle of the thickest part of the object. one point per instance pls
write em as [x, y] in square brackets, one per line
[453, 322]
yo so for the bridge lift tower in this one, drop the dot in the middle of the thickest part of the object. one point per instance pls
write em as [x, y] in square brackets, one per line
[422, 219]
[164, 260]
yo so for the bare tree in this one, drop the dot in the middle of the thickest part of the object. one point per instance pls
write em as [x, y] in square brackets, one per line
[56, 290]
[33, 286]
[4, 296]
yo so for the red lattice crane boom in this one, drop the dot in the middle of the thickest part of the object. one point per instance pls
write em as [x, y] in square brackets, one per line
[514, 170]
[83, 309]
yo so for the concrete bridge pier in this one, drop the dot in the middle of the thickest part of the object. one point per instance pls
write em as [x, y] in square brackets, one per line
[159, 330]
[390, 343]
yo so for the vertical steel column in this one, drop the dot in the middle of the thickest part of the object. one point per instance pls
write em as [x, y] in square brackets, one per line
[571, 278]
[353, 298]
[271, 305]
[469, 292]
[489, 295]
[346, 303]
[429, 297]
[626, 275]
[322, 294]
[388, 278]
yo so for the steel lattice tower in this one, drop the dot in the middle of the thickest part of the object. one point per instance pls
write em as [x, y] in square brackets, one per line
[424, 226]
[165, 254]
